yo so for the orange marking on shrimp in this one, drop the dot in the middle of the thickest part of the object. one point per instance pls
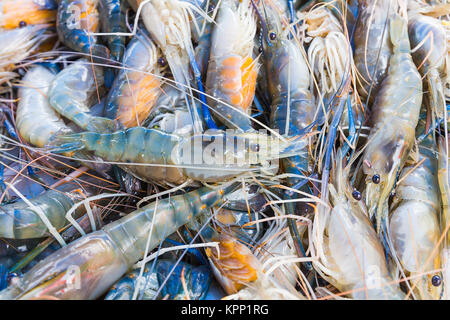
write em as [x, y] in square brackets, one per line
[16, 11]
[236, 263]
[239, 80]
[138, 99]
[249, 74]
[89, 16]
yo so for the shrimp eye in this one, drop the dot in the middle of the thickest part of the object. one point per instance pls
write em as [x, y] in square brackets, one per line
[356, 195]
[255, 147]
[272, 36]
[260, 49]
[11, 276]
[436, 281]
[162, 61]
[22, 24]
[376, 179]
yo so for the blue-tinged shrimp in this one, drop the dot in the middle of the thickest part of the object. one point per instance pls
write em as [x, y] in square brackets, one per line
[19, 220]
[101, 258]
[395, 114]
[73, 92]
[76, 19]
[156, 156]
[112, 14]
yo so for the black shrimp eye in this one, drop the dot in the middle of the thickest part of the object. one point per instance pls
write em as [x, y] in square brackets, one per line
[376, 179]
[11, 276]
[162, 61]
[22, 24]
[260, 49]
[436, 281]
[356, 195]
[272, 36]
[255, 147]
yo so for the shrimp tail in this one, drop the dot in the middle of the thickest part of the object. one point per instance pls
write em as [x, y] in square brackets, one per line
[66, 143]
[101, 125]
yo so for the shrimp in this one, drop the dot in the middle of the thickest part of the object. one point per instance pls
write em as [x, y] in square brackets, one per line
[293, 107]
[349, 253]
[167, 21]
[112, 14]
[240, 271]
[20, 13]
[372, 46]
[19, 220]
[75, 21]
[36, 121]
[232, 70]
[137, 87]
[395, 116]
[71, 94]
[429, 39]
[414, 224]
[197, 280]
[18, 44]
[179, 158]
[103, 257]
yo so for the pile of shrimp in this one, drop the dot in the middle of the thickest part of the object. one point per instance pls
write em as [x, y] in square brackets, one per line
[224, 149]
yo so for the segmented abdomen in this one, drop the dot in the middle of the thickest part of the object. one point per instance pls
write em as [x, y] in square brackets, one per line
[145, 147]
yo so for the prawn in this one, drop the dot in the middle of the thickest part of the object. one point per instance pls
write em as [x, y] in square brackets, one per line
[103, 257]
[398, 102]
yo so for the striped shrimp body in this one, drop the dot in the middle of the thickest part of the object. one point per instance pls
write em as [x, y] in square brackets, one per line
[232, 71]
[101, 258]
[19, 220]
[172, 159]
[137, 86]
[430, 39]
[395, 116]
[76, 19]
[112, 13]
[36, 121]
[74, 90]
[372, 46]
[19, 13]
[350, 255]
[414, 223]
[17, 45]
[292, 107]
